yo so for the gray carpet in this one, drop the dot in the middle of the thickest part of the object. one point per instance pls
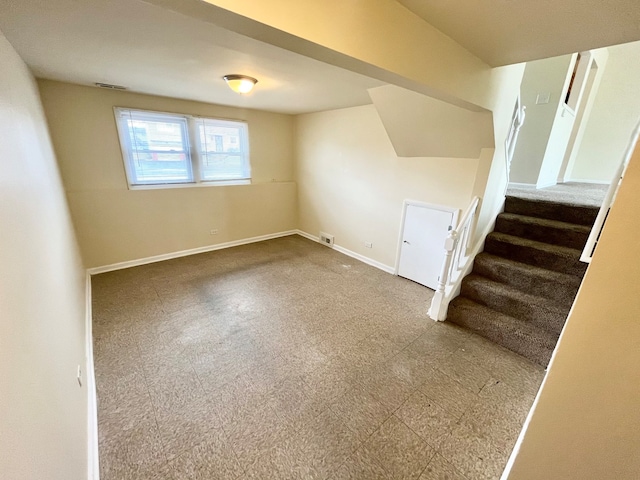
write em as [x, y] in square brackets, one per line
[572, 193]
[524, 283]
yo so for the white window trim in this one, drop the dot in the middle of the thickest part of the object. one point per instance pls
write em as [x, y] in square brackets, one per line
[193, 148]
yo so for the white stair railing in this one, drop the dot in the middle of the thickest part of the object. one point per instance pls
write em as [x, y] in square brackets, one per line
[609, 198]
[517, 120]
[458, 256]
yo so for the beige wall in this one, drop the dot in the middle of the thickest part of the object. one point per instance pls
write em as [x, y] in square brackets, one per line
[567, 132]
[491, 179]
[43, 419]
[615, 112]
[421, 126]
[540, 77]
[382, 40]
[352, 185]
[586, 422]
[115, 224]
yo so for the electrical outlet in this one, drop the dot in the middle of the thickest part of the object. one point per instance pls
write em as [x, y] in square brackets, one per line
[79, 375]
[368, 244]
[213, 231]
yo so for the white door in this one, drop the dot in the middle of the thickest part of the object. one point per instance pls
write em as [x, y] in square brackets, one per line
[422, 249]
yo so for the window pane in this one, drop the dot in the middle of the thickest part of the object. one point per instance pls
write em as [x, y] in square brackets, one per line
[222, 150]
[159, 150]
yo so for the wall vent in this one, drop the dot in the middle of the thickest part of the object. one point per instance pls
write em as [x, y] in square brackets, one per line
[110, 86]
[326, 239]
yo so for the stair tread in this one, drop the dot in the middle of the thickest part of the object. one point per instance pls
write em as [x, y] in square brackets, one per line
[544, 208]
[505, 290]
[512, 333]
[525, 242]
[499, 317]
[546, 222]
[553, 202]
[521, 267]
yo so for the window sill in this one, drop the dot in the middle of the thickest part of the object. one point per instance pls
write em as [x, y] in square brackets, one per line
[216, 183]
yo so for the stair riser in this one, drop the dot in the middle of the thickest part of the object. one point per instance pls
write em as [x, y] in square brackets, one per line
[540, 233]
[535, 257]
[553, 211]
[536, 350]
[549, 319]
[561, 294]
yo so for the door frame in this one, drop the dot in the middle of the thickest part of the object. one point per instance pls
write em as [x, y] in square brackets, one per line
[417, 203]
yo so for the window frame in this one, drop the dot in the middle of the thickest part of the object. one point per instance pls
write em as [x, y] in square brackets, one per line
[192, 148]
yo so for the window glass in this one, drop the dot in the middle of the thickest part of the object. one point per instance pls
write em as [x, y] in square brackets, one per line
[223, 151]
[156, 148]
[159, 150]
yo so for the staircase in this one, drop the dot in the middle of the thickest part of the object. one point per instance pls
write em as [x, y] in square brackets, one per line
[523, 285]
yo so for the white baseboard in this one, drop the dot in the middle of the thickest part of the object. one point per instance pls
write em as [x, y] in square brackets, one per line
[546, 185]
[93, 463]
[516, 185]
[184, 253]
[349, 253]
[584, 180]
[308, 236]
[363, 259]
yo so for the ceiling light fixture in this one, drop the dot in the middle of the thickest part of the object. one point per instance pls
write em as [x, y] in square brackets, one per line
[240, 83]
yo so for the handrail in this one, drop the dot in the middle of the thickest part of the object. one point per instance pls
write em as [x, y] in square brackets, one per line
[459, 256]
[455, 261]
[517, 120]
[610, 197]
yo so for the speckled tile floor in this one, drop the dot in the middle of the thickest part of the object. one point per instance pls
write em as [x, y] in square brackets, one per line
[287, 360]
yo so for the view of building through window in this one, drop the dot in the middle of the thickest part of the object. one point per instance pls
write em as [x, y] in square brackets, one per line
[161, 148]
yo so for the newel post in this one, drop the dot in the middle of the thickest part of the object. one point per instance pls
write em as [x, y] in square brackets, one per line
[438, 309]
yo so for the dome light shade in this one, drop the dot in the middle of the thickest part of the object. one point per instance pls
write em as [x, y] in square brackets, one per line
[240, 83]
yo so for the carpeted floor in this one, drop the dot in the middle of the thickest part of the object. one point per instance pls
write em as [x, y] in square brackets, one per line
[285, 359]
[571, 193]
[523, 284]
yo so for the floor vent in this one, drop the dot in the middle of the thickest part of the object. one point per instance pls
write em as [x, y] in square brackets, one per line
[326, 239]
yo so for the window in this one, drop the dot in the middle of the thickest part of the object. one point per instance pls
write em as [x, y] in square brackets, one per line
[165, 149]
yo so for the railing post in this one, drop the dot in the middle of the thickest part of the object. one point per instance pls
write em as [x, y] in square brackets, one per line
[438, 309]
[609, 198]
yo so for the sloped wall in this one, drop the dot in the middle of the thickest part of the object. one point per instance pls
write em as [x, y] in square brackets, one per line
[351, 183]
[421, 126]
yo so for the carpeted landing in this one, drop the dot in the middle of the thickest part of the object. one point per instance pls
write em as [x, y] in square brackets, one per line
[523, 285]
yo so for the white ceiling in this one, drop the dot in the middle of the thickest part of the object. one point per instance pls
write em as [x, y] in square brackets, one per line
[152, 50]
[502, 32]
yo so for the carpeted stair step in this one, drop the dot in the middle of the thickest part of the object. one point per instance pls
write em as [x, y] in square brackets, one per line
[579, 214]
[510, 301]
[552, 257]
[561, 288]
[543, 230]
[517, 335]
